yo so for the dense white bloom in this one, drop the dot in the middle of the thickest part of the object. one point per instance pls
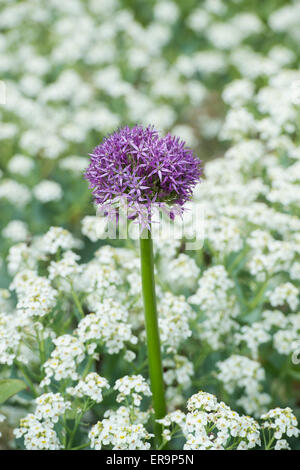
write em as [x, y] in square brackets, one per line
[202, 401]
[108, 326]
[174, 317]
[253, 336]
[179, 370]
[91, 386]
[134, 386]
[181, 272]
[241, 373]
[149, 69]
[2, 418]
[47, 191]
[282, 444]
[67, 267]
[282, 422]
[285, 293]
[50, 406]
[215, 300]
[16, 193]
[37, 435]
[74, 164]
[16, 231]
[19, 164]
[122, 430]
[57, 238]
[10, 338]
[20, 258]
[94, 227]
[37, 297]
[238, 92]
[69, 352]
[166, 11]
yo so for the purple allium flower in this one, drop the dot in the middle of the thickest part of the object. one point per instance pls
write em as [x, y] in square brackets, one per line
[137, 166]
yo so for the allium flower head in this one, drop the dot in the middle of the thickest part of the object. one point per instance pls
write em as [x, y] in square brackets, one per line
[137, 166]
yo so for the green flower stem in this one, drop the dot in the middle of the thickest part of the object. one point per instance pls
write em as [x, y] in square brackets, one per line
[152, 332]
[82, 446]
[259, 295]
[27, 378]
[77, 302]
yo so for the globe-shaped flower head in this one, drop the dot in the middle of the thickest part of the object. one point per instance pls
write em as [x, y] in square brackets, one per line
[137, 166]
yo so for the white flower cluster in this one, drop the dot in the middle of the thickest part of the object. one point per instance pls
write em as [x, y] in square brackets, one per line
[253, 336]
[50, 406]
[66, 268]
[69, 352]
[108, 326]
[38, 429]
[100, 282]
[285, 294]
[9, 338]
[210, 425]
[93, 227]
[57, 238]
[37, 435]
[175, 315]
[181, 272]
[17, 194]
[120, 430]
[48, 191]
[281, 422]
[36, 296]
[133, 387]
[16, 230]
[91, 386]
[180, 370]
[215, 299]
[20, 257]
[241, 373]
[2, 418]
[235, 299]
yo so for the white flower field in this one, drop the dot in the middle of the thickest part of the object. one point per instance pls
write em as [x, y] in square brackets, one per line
[223, 76]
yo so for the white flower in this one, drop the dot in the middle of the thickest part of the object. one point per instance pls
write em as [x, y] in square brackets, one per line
[282, 422]
[122, 430]
[69, 352]
[50, 406]
[37, 435]
[285, 293]
[241, 373]
[16, 193]
[108, 325]
[91, 386]
[16, 230]
[134, 386]
[94, 227]
[48, 191]
[56, 238]
[67, 267]
[74, 164]
[19, 164]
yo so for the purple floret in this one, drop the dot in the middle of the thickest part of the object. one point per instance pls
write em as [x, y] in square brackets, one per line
[139, 167]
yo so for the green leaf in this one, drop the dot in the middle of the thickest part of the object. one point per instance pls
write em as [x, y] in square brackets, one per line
[9, 387]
